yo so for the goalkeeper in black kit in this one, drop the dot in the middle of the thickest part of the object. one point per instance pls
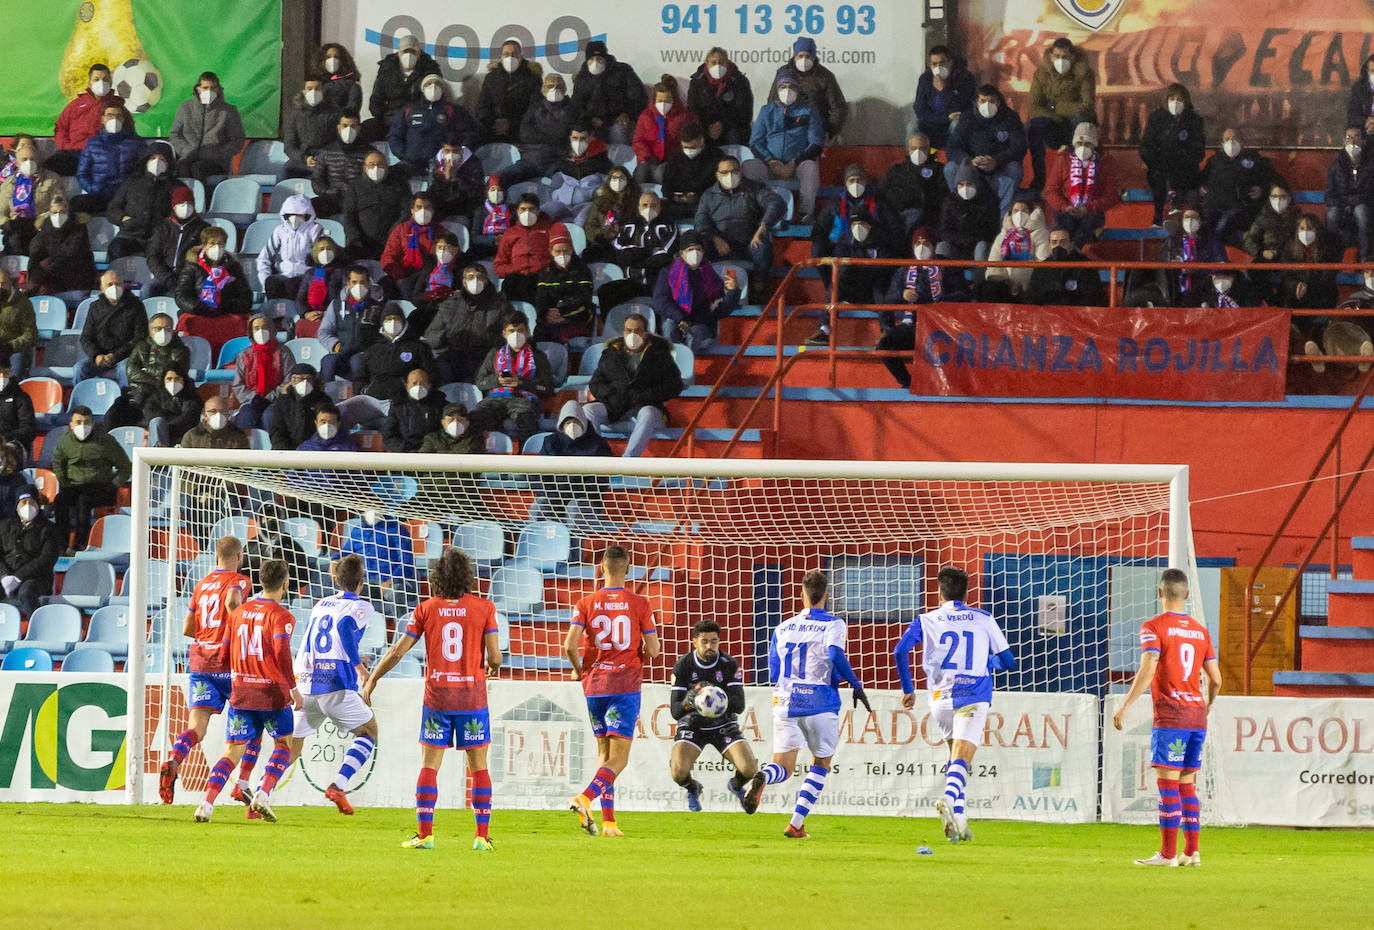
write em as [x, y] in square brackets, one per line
[698, 727]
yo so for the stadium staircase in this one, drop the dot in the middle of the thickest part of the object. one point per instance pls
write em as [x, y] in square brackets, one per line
[1337, 660]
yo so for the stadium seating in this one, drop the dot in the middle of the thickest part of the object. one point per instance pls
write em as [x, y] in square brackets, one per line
[130, 438]
[586, 367]
[53, 628]
[9, 626]
[199, 348]
[97, 393]
[605, 271]
[230, 230]
[544, 546]
[500, 444]
[281, 191]
[535, 444]
[60, 356]
[615, 318]
[110, 540]
[90, 660]
[109, 630]
[557, 355]
[228, 353]
[155, 305]
[88, 583]
[497, 156]
[334, 229]
[16, 265]
[265, 161]
[460, 392]
[686, 363]
[133, 270]
[44, 457]
[197, 187]
[259, 439]
[44, 482]
[310, 351]
[483, 540]
[101, 232]
[27, 659]
[259, 231]
[46, 394]
[517, 589]
[51, 315]
[159, 573]
[236, 200]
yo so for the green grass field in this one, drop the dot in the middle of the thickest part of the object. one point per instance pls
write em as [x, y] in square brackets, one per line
[90, 867]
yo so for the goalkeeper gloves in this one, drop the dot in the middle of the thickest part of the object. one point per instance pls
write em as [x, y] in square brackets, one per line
[861, 697]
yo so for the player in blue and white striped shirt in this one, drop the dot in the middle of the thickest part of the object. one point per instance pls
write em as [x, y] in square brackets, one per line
[960, 646]
[806, 661]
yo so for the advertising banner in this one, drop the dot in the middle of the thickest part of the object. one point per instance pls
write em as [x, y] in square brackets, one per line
[1282, 761]
[1280, 73]
[157, 50]
[1007, 350]
[874, 47]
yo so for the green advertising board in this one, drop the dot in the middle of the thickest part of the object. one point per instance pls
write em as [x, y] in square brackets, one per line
[157, 49]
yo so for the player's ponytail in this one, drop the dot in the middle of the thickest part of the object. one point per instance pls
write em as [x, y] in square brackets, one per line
[451, 575]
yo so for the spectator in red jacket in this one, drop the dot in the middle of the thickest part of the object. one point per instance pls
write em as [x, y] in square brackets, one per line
[81, 119]
[659, 130]
[523, 251]
[1084, 187]
[411, 241]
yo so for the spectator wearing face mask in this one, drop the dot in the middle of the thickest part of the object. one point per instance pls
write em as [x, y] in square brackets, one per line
[862, 238]
[634, 380]
[439, 276]
[789, 135]
[216, 429]
[389, 362]
[1063, 95]
[338, 164]
[30, 545]
[720, 97]
[575, 435]
[408, 244]
[688, 173]
[1308, 289]
[351, 323]
[614, 203]
[142, 201]
[109, 157]
[992, 140]
[1172, 146]
[945, 91]
[170, 413]
[513, 379]
[343, 88]
[1268, 236]
[259, 371]
[690, 297]
[658, 130]
[523, 250]
[1350, 192]
[456, 182]
[1191, 241]
[1230, 290]
[327, 436]
[90, 467]
[18, 325]
[1235, 181]
[114, 324]
[859, 196]
[26, 199]
[915, 285]
[291, 417]
[422, 127]
[644, 245]
[969, 218]
[60, 259]
[212, 292]
[468, 325]
[170, 241]
[1024, 237]
[416, 411]
[455, 435]
[374, 203]
[388, 553]
[563, 300]
[149, 359]
[581, 170]
[915, 186]
[607, 94]
[80, 120]
[816, 83]
[206, 131]
[508, 88]
[398, 82]
[285, 256]
[311, 125]
[17, 422]
[543, 132]
[1084, 187]
[326, 276]
[1065, 287]
[490, 220]
[735, 216]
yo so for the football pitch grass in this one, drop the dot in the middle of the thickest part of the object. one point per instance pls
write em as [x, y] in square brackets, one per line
[89, 867]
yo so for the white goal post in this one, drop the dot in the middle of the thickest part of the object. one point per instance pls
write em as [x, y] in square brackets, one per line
[710, 538]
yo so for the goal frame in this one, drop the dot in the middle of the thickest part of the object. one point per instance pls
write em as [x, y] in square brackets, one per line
[145, 459]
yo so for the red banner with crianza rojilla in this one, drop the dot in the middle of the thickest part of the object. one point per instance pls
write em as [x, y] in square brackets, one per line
[1010, 350]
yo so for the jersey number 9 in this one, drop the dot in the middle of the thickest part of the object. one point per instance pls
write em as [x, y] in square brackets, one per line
[611, 632]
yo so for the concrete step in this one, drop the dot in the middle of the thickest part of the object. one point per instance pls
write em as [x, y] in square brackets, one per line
[1337, 649]
[1323, 684]
[1363, 560]
[854, 327]
[1350, 603]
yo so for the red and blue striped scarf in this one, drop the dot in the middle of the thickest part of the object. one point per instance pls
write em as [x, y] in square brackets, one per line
[933, 278]
[414, 257]
[497, 219]
[317, 294]
[1016, 242]
[1188, 254]
[216, 279]
[679, 279]
[440, 277]
[523, 368]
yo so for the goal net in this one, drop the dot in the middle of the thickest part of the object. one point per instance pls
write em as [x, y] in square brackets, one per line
[1066, 557]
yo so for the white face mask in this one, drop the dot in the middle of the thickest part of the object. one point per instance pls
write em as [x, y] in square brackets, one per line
[28, 512]
[633, 340]
[418, 392]
[174, 387]
[691, 153]
[302, 388]
[422, 217]
[325, 257]
[408, 60]
[940, 71]
[516, 340]
[162, 337]
[1369, 282]
[1353, 151]
[207, 97]
[1191, 225]
[1062, 65]
[787, 96]
[313, 98]
[596, 66]
[184, 210]
[663, 107]
[113, 293]
[81, 432]
[295, 221]
[348, 134]
[987, 110]
[968, 191]
[510, 63]
[919, 157]
[475, 286]
[1307, 236]
[649, 214]
[493, 195]
[1222, 285]
[28, 167]
[617, 183]
[376, 172]
[692, 257]
[391, 327]
[4, 382]
[1231, 147]
[58, 220]
[1084, 152]
[716, 72]
[217, 421]
[327, 431]
[331, 65]
[214, 253]
[114, 125]
[455, 428]
[804, 63]
[433, 92]
[100, 88]
[1279, 203]
[1175, 107]
[859, 231]
[856, 189]
[562, 259]
[730, 180]
[553, 95]
[579, 146]
[1019, 219]
[262, 336]
[923, 252]
[574, 430]
[357, 291]
[528, 217]
[443, 256]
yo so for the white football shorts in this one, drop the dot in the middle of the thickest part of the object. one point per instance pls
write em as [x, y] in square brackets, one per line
[966, 723]
[347, 709]
[819, 733]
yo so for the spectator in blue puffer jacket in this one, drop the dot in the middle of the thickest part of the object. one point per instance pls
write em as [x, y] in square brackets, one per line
[421, 128]
[789, 135]
[991, 139]
[109, 157]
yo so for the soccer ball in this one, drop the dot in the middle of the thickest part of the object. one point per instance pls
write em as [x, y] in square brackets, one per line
[139, 83]
[711, 701]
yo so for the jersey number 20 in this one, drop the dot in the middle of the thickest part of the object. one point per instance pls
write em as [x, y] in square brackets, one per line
[611, 632]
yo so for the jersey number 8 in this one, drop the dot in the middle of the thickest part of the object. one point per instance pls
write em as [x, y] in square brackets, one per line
[611, 632]
[452, 641]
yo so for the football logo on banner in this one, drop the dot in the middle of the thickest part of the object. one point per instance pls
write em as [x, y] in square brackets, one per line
[1092, 14]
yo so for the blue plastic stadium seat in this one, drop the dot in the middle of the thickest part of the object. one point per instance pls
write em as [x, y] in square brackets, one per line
[482, 540]
[27, 659]
[90, 660]
[87, 583]
[544, 545]
[517, 589]
[53, 628]
[109, 630]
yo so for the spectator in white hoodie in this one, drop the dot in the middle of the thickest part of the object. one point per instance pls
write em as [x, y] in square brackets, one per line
[285, 259]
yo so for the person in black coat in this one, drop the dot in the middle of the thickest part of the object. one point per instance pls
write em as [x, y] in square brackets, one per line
[968, 219]
[171, 239]
[387, 363]
[1359, 109]
[398, 83]
[644, 245]
[1172, 146]
[30, 545]
[1234, 183]
[467, 325]
[915, 186]
[168, 414]
[141, 202]
[1350, 193]
[635, 377]
[508, 88]
[114, 323]
[343, 88]
[291, 417]
[376, 201]
[564, 304]
[17, 423]
[338, 164]
[212, 282]
[915, 284]
[1064, 287]
[60, 258]
[720, 97]
[311, 125]
[456, 181]
[687, 173]
[608, 94]
[416, 411]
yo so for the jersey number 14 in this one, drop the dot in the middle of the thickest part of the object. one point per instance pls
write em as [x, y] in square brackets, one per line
[250, 645]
